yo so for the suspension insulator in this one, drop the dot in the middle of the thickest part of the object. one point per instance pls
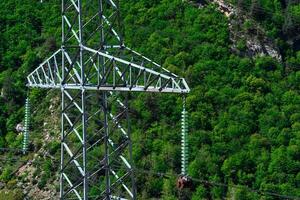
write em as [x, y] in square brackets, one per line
[26, 126]
[184, 141]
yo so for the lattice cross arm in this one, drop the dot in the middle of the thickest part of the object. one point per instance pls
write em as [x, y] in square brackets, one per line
[114, 73]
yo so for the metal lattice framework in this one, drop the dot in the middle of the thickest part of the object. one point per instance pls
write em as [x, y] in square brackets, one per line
[92, 67]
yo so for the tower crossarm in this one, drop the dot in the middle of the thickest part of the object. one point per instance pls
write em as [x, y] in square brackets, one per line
[134, 73]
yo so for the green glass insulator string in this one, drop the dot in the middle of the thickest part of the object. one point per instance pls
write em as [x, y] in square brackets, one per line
[184, 139]
[26, 125]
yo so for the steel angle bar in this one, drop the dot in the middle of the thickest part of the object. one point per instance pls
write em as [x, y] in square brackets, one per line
[46, 78]
[75, 5]
[149, 60]
[72, 159]
[112, 4]
[88, 37]
[71, 67]
[74, 129]
[165, 84]
[56, 69]
[111, 28]
[70, 28]
[135, 82]
[66, 8]
[117, 150]
[80, 180]
[118, 125]
[51, 74]
[124, 160]
[73, 99]
[117, 198]
[121, 76]
[71, 185]
[120, 181]
[74, 186]
[91, 146]
[38, 76]
[75, 161]
[183, 90]
[71, 104]
[147, 85]
[106, 73]
[138, 88]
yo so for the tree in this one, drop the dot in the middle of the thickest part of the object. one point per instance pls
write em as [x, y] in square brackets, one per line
[256, 10]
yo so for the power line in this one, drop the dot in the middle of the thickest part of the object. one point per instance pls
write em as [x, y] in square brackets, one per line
[11, 149]
[203, 181]
[265, 193]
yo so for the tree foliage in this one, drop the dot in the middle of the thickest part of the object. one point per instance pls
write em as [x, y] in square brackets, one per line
[244, 114]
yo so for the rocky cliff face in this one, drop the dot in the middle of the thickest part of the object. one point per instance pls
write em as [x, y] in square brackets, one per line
[248, 38]
[30, 187]
[36, 184]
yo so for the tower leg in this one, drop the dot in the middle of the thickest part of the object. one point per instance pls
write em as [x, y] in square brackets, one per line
[106, 133]
[96, 154]
[61, 178]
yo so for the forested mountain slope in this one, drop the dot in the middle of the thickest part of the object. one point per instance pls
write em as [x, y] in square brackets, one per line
[244, 111]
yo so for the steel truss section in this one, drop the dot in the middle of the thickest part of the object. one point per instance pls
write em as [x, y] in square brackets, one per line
[92, 67]
[120, 74]
[96, 147]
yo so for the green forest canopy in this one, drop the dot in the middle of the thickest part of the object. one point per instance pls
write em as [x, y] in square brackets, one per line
[244, 112]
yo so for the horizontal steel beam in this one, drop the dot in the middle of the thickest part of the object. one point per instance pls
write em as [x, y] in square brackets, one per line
[110, 88]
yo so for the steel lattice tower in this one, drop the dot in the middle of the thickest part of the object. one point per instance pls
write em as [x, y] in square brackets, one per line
[93, 68]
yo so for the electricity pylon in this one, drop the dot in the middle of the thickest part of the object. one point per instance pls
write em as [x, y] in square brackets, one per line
[92, 66]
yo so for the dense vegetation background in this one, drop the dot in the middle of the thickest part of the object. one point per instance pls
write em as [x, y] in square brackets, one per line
[244, 111]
